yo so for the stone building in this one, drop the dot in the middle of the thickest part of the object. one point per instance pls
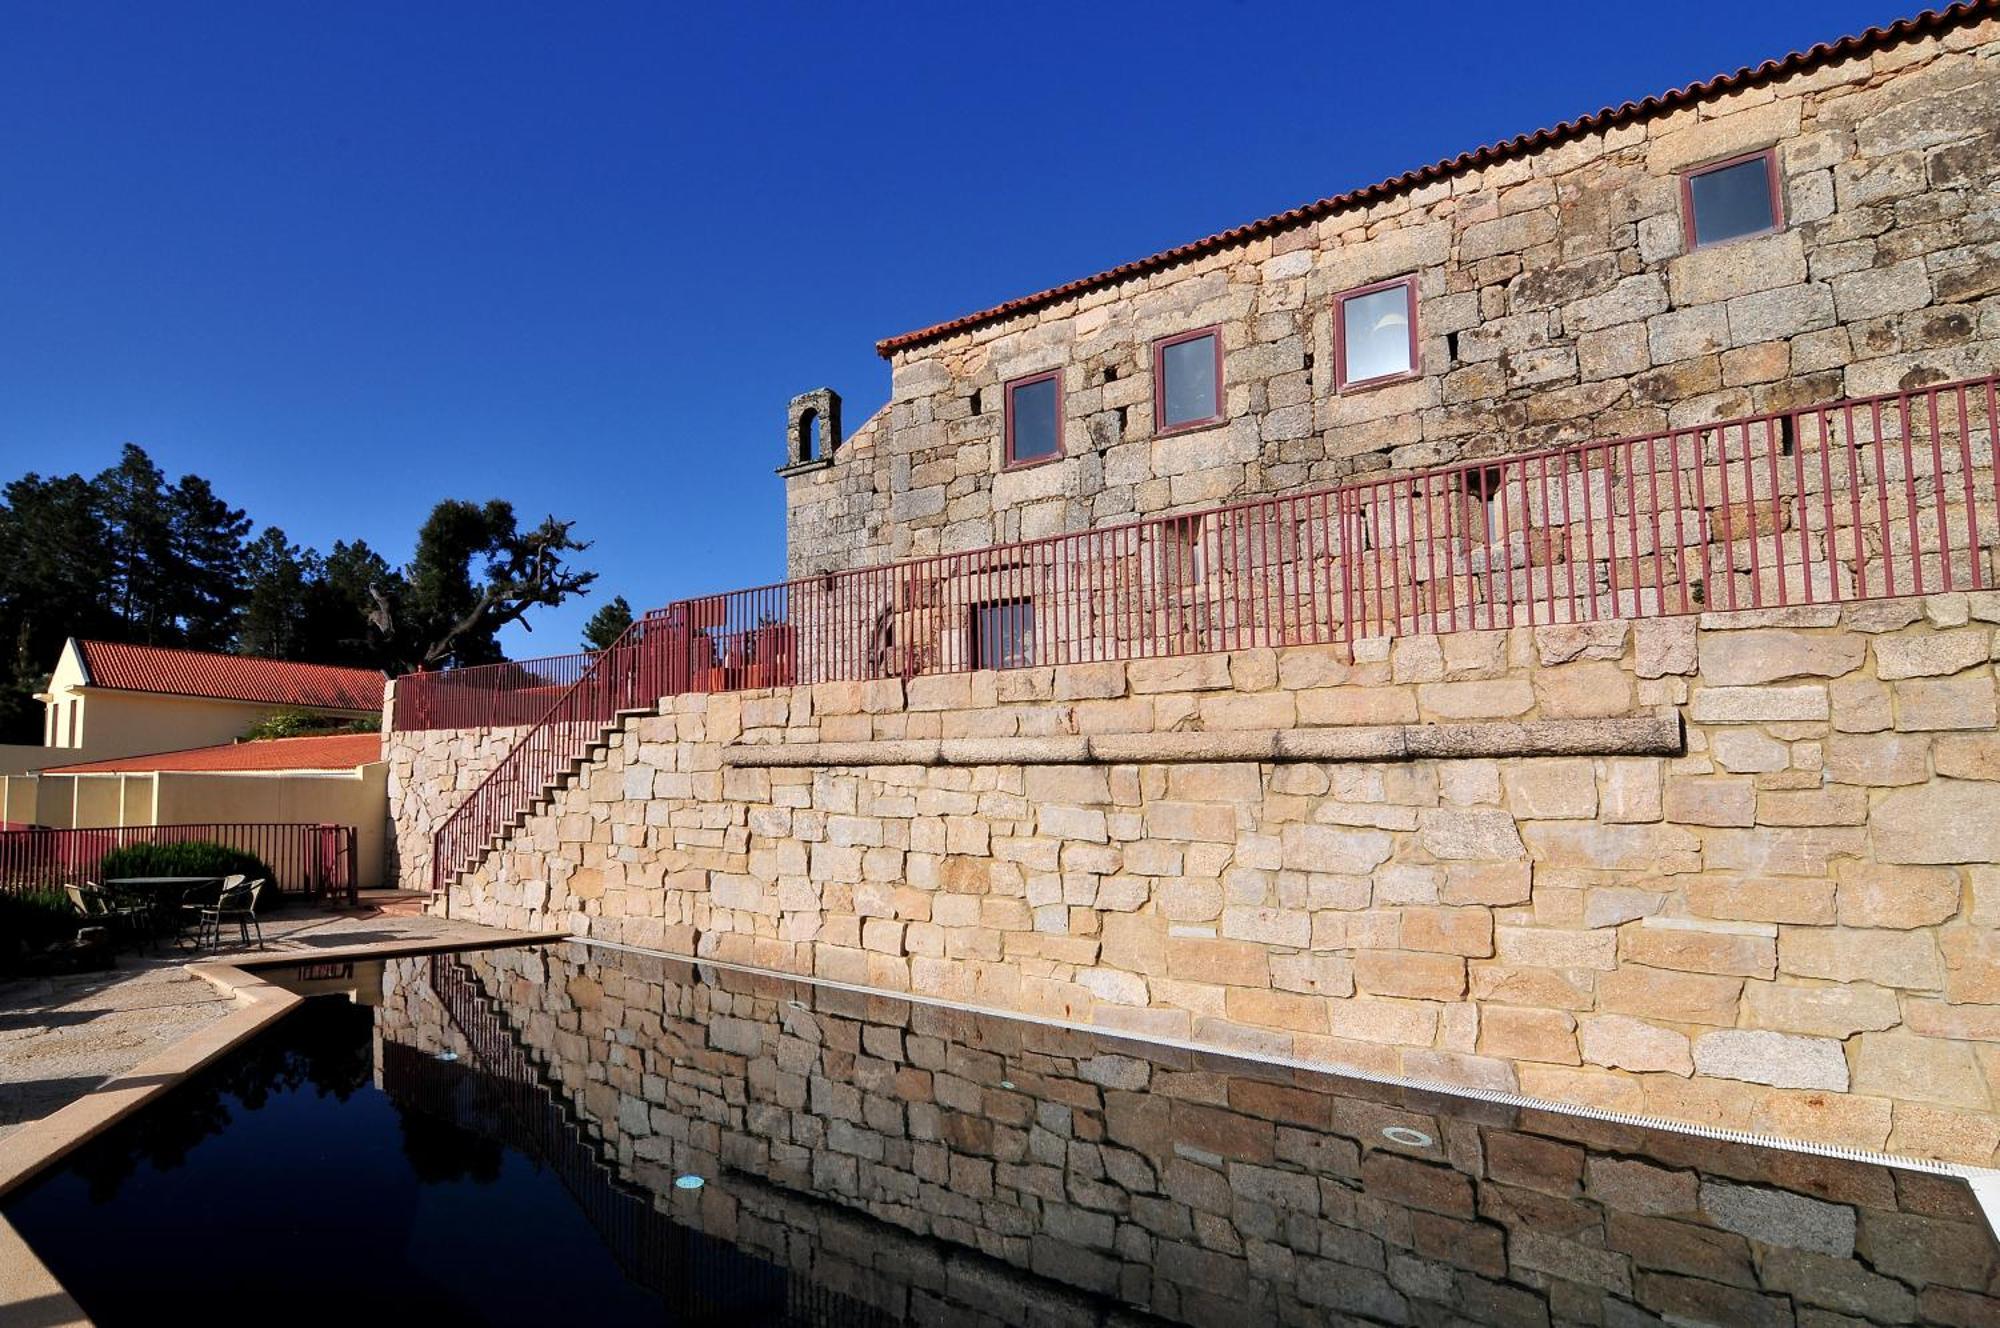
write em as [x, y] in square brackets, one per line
[1485, 628]
[1821, 226]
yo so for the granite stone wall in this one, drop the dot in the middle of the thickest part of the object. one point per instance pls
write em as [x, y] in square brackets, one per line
[1735, 869]
[432, 771]
[1558, 302]
[1203, 1190]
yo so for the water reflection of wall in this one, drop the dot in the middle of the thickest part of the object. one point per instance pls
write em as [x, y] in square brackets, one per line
[1198, 1187]
[826, 1265]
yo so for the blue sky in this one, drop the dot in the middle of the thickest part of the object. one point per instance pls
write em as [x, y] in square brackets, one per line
[348, 259]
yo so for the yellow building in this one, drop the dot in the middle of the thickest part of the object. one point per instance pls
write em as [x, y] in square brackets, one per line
[107, 700]
[330, 779]
[142, 735]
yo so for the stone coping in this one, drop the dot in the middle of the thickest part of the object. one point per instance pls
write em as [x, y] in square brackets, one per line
[1657, 734]
[29, 1293]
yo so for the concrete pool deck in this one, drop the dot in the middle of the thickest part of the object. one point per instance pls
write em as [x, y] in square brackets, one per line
[60, 1038]
[165, 1016]
[249, 1000]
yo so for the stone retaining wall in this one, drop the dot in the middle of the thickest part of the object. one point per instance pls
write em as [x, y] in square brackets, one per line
[432, 771]
[1787, 926]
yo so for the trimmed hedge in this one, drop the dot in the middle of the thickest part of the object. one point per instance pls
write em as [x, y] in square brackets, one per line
[194, 857]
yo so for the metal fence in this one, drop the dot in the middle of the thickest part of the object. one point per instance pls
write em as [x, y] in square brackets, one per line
[1884, 496]
[1861, 499]
[306, 861]
[646, 663]
[486, 695]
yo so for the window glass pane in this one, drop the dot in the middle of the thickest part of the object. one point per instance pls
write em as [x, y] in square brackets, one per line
[1003, 635]
[1189, 390]
[1376, 329]
[1733, 201]
[1034, 407]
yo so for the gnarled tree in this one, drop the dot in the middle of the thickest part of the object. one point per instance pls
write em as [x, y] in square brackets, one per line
[451, 611]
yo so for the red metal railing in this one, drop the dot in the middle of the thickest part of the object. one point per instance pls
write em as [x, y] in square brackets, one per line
[1883, 496]
[1862, 499]
[632, 674]
[518, 692]
[310, 861]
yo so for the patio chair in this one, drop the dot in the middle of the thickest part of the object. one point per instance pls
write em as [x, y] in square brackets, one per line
[133, 918]
[89, 905]
[238, 904]
[198, 899]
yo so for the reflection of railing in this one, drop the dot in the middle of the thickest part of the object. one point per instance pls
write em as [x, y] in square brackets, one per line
[694, 1272]
[312, 861]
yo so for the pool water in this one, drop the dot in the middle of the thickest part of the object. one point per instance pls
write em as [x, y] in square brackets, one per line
[535, 1134]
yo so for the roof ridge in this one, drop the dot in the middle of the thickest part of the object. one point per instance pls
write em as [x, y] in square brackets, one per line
[139, 763]
[1929, 21]
[227, 654]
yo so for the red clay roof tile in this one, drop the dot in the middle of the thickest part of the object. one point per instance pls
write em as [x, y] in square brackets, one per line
[334, 751]
[229, 677]
[1924, 24]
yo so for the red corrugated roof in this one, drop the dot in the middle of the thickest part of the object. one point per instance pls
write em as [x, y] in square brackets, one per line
[1926, 23]
[336, 751]
[229, 677]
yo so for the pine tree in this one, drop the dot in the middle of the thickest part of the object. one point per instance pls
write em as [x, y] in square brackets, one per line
[607, 624]
[138, 531]
[273, 623]
[204, 589]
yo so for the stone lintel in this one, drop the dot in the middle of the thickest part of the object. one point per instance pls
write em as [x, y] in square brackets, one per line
[1641, 735]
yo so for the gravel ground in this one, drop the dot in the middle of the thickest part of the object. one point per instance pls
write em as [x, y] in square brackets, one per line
[61, 1037]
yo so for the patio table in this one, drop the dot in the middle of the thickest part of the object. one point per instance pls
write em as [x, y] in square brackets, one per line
[164, 893]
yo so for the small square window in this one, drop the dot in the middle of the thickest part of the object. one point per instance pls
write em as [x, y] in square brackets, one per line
[1034, 419]
[1731, 199]
[1483, 487]
[1187, 380]
[1181, 553]
[1003, 634]
[1375, 334]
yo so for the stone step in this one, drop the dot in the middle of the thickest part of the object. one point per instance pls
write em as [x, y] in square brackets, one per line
[395, 903]
[594, 751]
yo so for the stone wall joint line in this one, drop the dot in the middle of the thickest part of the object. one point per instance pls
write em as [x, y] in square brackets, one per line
[1657, 734]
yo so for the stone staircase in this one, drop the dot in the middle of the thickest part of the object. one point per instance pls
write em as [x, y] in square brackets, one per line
[624, 681]
[593, 751]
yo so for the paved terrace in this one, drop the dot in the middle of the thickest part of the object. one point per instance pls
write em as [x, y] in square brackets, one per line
[62, 1037]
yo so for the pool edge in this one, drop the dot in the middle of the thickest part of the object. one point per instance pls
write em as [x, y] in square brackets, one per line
[1984, 1182]
[29, 1293]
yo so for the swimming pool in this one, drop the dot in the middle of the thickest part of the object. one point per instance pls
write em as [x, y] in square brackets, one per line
[517, 1135]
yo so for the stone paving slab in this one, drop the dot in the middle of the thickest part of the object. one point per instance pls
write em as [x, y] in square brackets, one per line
[62, 1037]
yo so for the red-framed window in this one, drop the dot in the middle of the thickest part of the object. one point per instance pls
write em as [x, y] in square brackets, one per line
[1003, 634]
[1187, 380]
[1732, 199]
[1034, 409]
[1375, 334]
